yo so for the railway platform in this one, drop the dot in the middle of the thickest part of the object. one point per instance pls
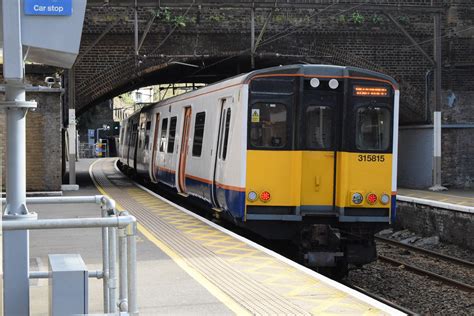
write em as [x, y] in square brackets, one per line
[462, 200]
[188, 265]
[448, 214]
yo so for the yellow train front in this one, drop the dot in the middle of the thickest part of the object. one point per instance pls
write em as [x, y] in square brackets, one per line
[321, 160]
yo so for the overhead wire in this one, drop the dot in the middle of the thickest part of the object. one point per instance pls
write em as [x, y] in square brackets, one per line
[443, 36]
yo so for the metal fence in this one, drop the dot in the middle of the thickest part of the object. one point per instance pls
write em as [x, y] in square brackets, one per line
[86, 150]
[119, 231]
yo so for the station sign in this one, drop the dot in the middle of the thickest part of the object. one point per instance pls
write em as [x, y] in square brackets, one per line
[51, 30]
[48, 7]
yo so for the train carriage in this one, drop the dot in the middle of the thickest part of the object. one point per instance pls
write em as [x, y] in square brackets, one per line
[302, 152]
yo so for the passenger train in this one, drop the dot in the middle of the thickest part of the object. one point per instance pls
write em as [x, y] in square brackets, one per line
[306, 153]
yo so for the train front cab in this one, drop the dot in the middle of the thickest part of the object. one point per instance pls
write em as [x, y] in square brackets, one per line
[320, 161]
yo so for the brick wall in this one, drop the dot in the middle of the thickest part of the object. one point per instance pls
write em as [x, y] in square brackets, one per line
[43, 143]
[323, 33]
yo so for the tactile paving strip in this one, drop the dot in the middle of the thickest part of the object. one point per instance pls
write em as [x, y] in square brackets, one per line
[257, 281]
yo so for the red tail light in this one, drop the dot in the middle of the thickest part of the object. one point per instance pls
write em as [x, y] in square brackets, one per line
[371, 198]
[265, 196]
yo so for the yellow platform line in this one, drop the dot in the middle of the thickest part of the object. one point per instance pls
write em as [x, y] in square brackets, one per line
[197, 276]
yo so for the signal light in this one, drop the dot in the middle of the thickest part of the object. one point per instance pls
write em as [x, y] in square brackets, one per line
[265, 196]
[371, 198]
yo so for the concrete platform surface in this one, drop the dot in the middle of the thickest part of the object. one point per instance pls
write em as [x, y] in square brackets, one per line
[456, 197]
[163, 287]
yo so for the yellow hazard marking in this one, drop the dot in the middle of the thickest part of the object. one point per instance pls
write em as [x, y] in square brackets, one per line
[255, 116]
[198, 277]
[214, 290]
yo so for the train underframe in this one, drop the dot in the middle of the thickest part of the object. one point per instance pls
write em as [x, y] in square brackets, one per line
[325, 244]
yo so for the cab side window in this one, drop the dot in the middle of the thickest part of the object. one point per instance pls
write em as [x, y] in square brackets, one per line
[268, 125]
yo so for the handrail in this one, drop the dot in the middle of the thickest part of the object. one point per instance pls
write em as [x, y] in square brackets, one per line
[109, 222]
[95, 199]
[47, 274]
[117, 221]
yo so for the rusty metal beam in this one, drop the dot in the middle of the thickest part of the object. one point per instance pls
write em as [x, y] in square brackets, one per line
[147, 29]
[292, 4]
[252, 37]
[264, 27]
[410, 38]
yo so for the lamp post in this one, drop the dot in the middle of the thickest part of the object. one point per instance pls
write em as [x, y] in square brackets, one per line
[103, 128]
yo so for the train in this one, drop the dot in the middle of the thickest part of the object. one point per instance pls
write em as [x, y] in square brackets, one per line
[300, 153]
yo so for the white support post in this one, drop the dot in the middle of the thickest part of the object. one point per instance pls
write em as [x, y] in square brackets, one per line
[437, 184]
[72, 132]
[16, 292]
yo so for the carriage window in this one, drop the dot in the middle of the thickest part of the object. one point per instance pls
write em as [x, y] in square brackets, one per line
[172, 134]
[147, 133]
[226, 133]
[198, 133]
[318, 129]
[373, 127]
[134, 134]
[268, 127]
[164, 129]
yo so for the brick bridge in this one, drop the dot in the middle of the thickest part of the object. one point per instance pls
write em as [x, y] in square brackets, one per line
[205, 41]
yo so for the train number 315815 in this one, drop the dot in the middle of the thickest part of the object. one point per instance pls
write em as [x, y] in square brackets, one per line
[371, 158]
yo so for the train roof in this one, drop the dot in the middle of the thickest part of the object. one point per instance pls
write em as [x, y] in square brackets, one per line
[320, 70]
[298, 69]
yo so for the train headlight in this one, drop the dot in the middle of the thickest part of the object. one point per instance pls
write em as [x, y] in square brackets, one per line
[252, 196]
[385, 198]
[314, 82]
[333, 84]
[265, 196]
[371, 198]
[357, 198]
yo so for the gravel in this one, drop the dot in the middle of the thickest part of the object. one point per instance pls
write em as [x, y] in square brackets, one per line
[418, 293]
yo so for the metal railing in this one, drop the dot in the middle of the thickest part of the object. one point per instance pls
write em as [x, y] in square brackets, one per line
[110, 222]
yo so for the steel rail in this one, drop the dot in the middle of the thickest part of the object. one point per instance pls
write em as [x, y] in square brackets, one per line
[426, 251]
[380, 298]
[420, 271]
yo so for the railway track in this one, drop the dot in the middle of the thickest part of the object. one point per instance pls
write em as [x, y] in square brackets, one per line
[427, 252]
[380, 298]
[444, 268]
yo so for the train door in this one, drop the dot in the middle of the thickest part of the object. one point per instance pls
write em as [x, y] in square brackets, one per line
[218, 194]
[320, 135]
[141, 144]
[183, 154]
[131, 142]
[154, 150]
